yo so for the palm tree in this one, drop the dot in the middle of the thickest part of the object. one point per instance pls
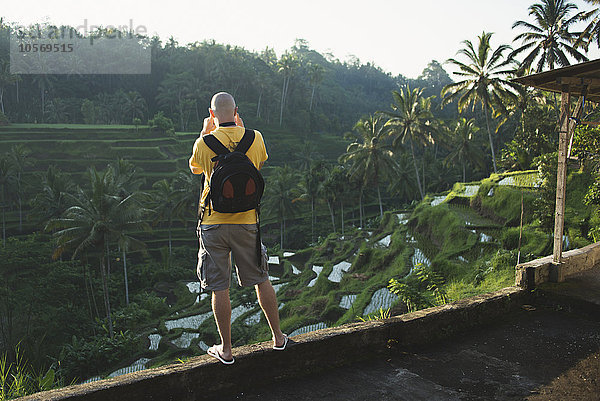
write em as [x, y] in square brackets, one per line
[186, 187]
[287, 66]
[525, 97]
[6, 178]
[328, 192]
[411, 121]
[548, 39]
[125, 176]
[315, 74]
[164, 205]
[307, 156]
[591, 33]
[464, 150]
[173, 93]
[335, 188]
[403, 185]
[280, 193]
[134, 104]
[44, 83]
[125, 224]
[369, 156]
[483, 81]
[52, 201]
[57, 111]
[310, 184]
[262, 82]
[338, 181]
[356, 185]
[97, 217]
[18, 158]
[126, 183]
[6, 78]
[439, 179]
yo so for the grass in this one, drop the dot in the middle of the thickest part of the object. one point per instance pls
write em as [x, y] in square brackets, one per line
[445, 236]
[18, 378]
[460, 289]
[506, 204]
[471, 217]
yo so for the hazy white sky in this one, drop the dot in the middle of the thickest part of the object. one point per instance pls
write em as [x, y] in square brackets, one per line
[400, 36]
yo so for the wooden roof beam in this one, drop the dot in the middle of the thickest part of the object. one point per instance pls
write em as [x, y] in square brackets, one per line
[578, 81]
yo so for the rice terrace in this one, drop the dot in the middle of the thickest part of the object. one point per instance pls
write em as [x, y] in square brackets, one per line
[433, 237]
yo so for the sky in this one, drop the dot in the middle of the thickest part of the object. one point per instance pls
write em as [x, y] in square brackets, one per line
[400, 36]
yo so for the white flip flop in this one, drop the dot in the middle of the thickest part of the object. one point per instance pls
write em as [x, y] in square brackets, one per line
[214, 352]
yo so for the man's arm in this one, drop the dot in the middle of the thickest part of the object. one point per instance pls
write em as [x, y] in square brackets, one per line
[263, 150]
[194, 161]
[208, 127]
[196, 170]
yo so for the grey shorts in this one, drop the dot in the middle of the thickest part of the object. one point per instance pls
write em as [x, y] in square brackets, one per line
[217, 243]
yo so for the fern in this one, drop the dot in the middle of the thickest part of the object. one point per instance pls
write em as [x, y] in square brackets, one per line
[423, 289]
[380, 315]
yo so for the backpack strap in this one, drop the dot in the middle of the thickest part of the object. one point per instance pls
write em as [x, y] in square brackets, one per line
[246, 141]
[215, 145]
[258, 239]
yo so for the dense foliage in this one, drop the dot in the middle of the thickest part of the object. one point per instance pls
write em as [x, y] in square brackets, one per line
[99, 209]
[321, 93]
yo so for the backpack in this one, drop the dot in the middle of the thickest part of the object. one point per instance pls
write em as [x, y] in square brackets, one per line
[236, 185]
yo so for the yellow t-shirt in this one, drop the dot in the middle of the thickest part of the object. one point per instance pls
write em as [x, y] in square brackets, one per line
[201, 158]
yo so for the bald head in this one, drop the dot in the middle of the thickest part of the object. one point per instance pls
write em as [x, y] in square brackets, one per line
[223, 106]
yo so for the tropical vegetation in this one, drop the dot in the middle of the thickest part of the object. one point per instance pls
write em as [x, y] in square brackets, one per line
[402, 179]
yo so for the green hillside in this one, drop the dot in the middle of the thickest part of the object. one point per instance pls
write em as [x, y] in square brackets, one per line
[156, 156]
[75, 147]
[465, 245]
[452, 245]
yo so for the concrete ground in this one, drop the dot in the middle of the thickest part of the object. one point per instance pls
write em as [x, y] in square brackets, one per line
[549, 350]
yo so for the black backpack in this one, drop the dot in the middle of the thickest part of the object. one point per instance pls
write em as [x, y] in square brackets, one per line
[236, 185]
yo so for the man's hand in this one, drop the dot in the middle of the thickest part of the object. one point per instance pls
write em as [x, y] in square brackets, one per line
[238, 120]
[209, 125]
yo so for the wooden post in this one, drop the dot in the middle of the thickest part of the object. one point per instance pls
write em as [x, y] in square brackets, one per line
[575, 120]
[561, 175]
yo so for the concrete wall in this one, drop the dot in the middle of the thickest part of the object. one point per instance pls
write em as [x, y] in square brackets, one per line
[531, 274]
[258, 365]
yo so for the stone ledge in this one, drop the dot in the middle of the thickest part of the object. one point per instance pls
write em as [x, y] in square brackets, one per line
[531, 274]
[257, 364]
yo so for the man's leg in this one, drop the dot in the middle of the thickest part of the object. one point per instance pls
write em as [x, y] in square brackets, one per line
[251, 271]
[221, 306]
[268, 302]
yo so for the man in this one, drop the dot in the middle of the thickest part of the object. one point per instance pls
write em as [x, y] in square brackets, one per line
[223, 234]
